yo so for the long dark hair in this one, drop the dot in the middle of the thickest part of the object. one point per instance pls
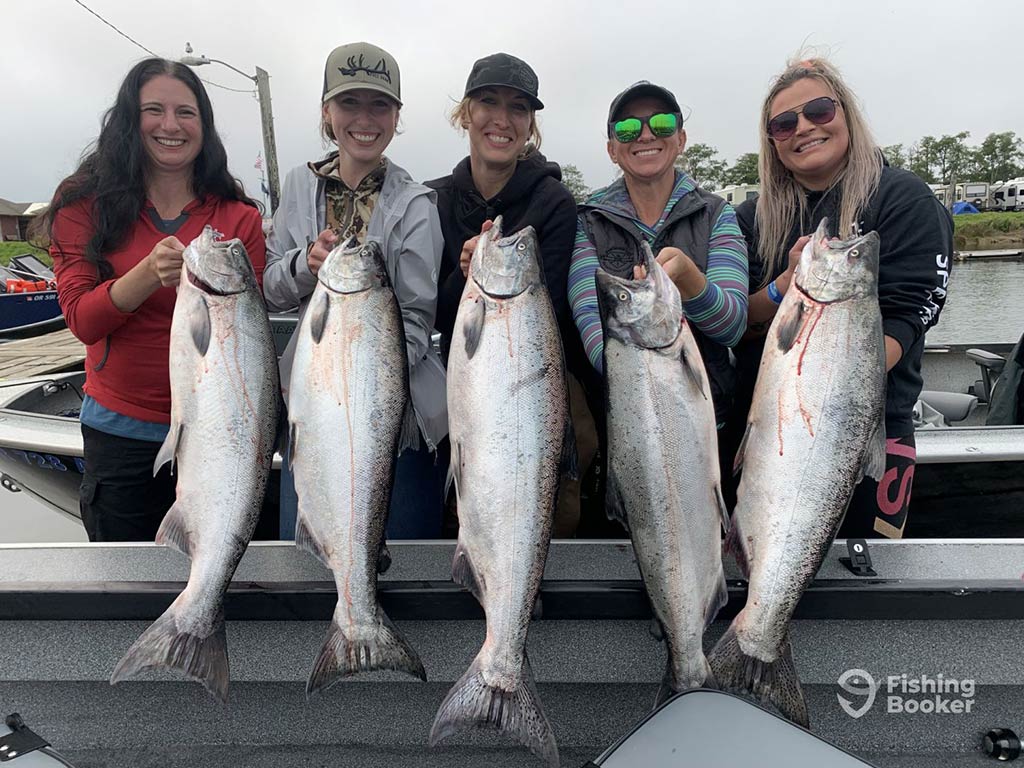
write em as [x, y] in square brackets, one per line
[112, 171]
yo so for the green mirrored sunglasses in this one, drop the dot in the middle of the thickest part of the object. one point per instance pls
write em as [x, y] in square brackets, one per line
[662, 124]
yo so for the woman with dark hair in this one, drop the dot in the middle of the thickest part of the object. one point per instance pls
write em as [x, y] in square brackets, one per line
[118, 227]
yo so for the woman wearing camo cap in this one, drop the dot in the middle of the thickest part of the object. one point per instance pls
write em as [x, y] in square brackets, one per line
[355, 191]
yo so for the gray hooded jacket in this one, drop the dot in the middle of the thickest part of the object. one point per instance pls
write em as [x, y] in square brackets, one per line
[406, 225]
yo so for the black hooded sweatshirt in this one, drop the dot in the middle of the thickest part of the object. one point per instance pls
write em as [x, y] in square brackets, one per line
[534, 196]
[916, 234]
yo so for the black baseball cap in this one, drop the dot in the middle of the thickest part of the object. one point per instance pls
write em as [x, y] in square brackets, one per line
[504, 70]
[638, 90]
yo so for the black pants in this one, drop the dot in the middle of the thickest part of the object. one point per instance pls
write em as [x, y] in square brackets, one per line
[119, 498]
[880, 509]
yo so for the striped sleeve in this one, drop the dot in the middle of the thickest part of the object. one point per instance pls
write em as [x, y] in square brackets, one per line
[583, 296]
[720, 310]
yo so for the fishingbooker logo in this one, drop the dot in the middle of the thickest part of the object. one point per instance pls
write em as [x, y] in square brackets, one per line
[905, 694]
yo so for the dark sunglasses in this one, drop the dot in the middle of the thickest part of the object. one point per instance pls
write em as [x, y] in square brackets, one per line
[662, 125]
[819, 111]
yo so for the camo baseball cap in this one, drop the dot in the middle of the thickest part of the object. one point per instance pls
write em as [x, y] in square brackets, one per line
[504, 70]
[361, 65]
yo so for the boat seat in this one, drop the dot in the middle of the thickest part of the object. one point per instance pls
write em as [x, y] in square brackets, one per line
[952, 405]
[987, 360]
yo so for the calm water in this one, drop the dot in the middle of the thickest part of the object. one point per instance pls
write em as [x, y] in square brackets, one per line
[985, 304]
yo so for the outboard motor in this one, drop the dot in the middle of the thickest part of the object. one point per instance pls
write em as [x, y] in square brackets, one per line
[23, 748]
[681, 734]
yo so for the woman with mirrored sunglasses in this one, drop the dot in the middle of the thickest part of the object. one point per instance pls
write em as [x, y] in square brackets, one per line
[693, 234]
[818, 159]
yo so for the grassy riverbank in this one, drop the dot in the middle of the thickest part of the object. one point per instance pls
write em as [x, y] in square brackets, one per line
[16, 248]
[995, 230]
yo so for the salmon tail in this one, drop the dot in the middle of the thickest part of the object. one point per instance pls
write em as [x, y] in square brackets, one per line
[341, 657]
[162, 645]
[774, 685]
[473, 703]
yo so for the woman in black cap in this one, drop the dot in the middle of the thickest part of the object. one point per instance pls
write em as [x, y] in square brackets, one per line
[506, 175]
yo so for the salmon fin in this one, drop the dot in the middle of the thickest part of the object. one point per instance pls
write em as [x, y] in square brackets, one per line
[670, 686]
[570, 464]
[383, 558]
[473, 326]
[693, 372]
[169, 449]
[292, 435]
[473, 703]
[199, 326]
[718, 600]
[162, 645]
[734, 546]
[789, 327]
[774, 685]
[614, 504]
[464, 572]
[308, 542]
[723, 509]
[737, 462]
[341, 657]
[454, 470]
[409, 436]
[173, 531]
[318, 320]
[875, 457]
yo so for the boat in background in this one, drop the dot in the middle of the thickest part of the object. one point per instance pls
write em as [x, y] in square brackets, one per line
[28, 299]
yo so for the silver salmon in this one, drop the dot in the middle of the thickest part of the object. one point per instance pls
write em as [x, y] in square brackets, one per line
[348, 404]
[815, 428]
[663, 477]
[510, 436]
[225, 398]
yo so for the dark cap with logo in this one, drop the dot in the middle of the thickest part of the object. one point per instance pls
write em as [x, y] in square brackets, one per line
[361, 65]
[639, 90]
[503, 69]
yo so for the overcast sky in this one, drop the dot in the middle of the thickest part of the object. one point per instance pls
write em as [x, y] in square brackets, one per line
[919, 67]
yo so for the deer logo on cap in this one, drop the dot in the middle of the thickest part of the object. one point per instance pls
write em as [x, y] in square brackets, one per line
[355, 66]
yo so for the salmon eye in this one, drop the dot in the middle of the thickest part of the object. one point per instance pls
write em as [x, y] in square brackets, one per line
[623, 295]
[854, 253]
[521, 246]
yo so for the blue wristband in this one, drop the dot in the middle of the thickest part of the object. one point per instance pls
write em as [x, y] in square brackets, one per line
[773, 293]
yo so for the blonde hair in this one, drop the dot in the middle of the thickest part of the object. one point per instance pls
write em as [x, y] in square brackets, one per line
[459, 117]
[782, 199]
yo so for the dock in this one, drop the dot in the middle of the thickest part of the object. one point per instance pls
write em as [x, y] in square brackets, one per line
[40, 355]
[1011, 254]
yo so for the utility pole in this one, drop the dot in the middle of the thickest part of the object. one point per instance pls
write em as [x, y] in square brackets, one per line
[262, 80]
[269, 142]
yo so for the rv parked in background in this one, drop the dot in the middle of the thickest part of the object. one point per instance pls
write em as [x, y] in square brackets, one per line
[735, 194]
[977, 193]
[1008, 195]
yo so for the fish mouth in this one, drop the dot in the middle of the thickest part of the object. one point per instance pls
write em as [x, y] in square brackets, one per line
[205, 287]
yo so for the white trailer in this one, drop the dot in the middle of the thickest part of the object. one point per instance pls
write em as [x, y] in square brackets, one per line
[1008, 196]
[735, 194]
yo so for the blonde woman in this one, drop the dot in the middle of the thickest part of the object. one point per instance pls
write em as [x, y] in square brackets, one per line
[818, 159]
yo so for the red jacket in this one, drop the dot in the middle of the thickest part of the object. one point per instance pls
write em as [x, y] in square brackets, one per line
[126, 361]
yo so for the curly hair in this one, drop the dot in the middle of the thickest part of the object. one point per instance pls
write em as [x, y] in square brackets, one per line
[112, 171]
[782, 201]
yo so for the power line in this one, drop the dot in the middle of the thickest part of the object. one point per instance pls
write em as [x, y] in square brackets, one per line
[122, 34]
[132, 40]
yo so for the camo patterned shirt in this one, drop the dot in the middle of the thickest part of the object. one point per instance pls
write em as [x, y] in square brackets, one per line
[349, 210]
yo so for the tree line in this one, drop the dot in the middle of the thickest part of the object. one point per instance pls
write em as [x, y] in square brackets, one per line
[936, 160]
